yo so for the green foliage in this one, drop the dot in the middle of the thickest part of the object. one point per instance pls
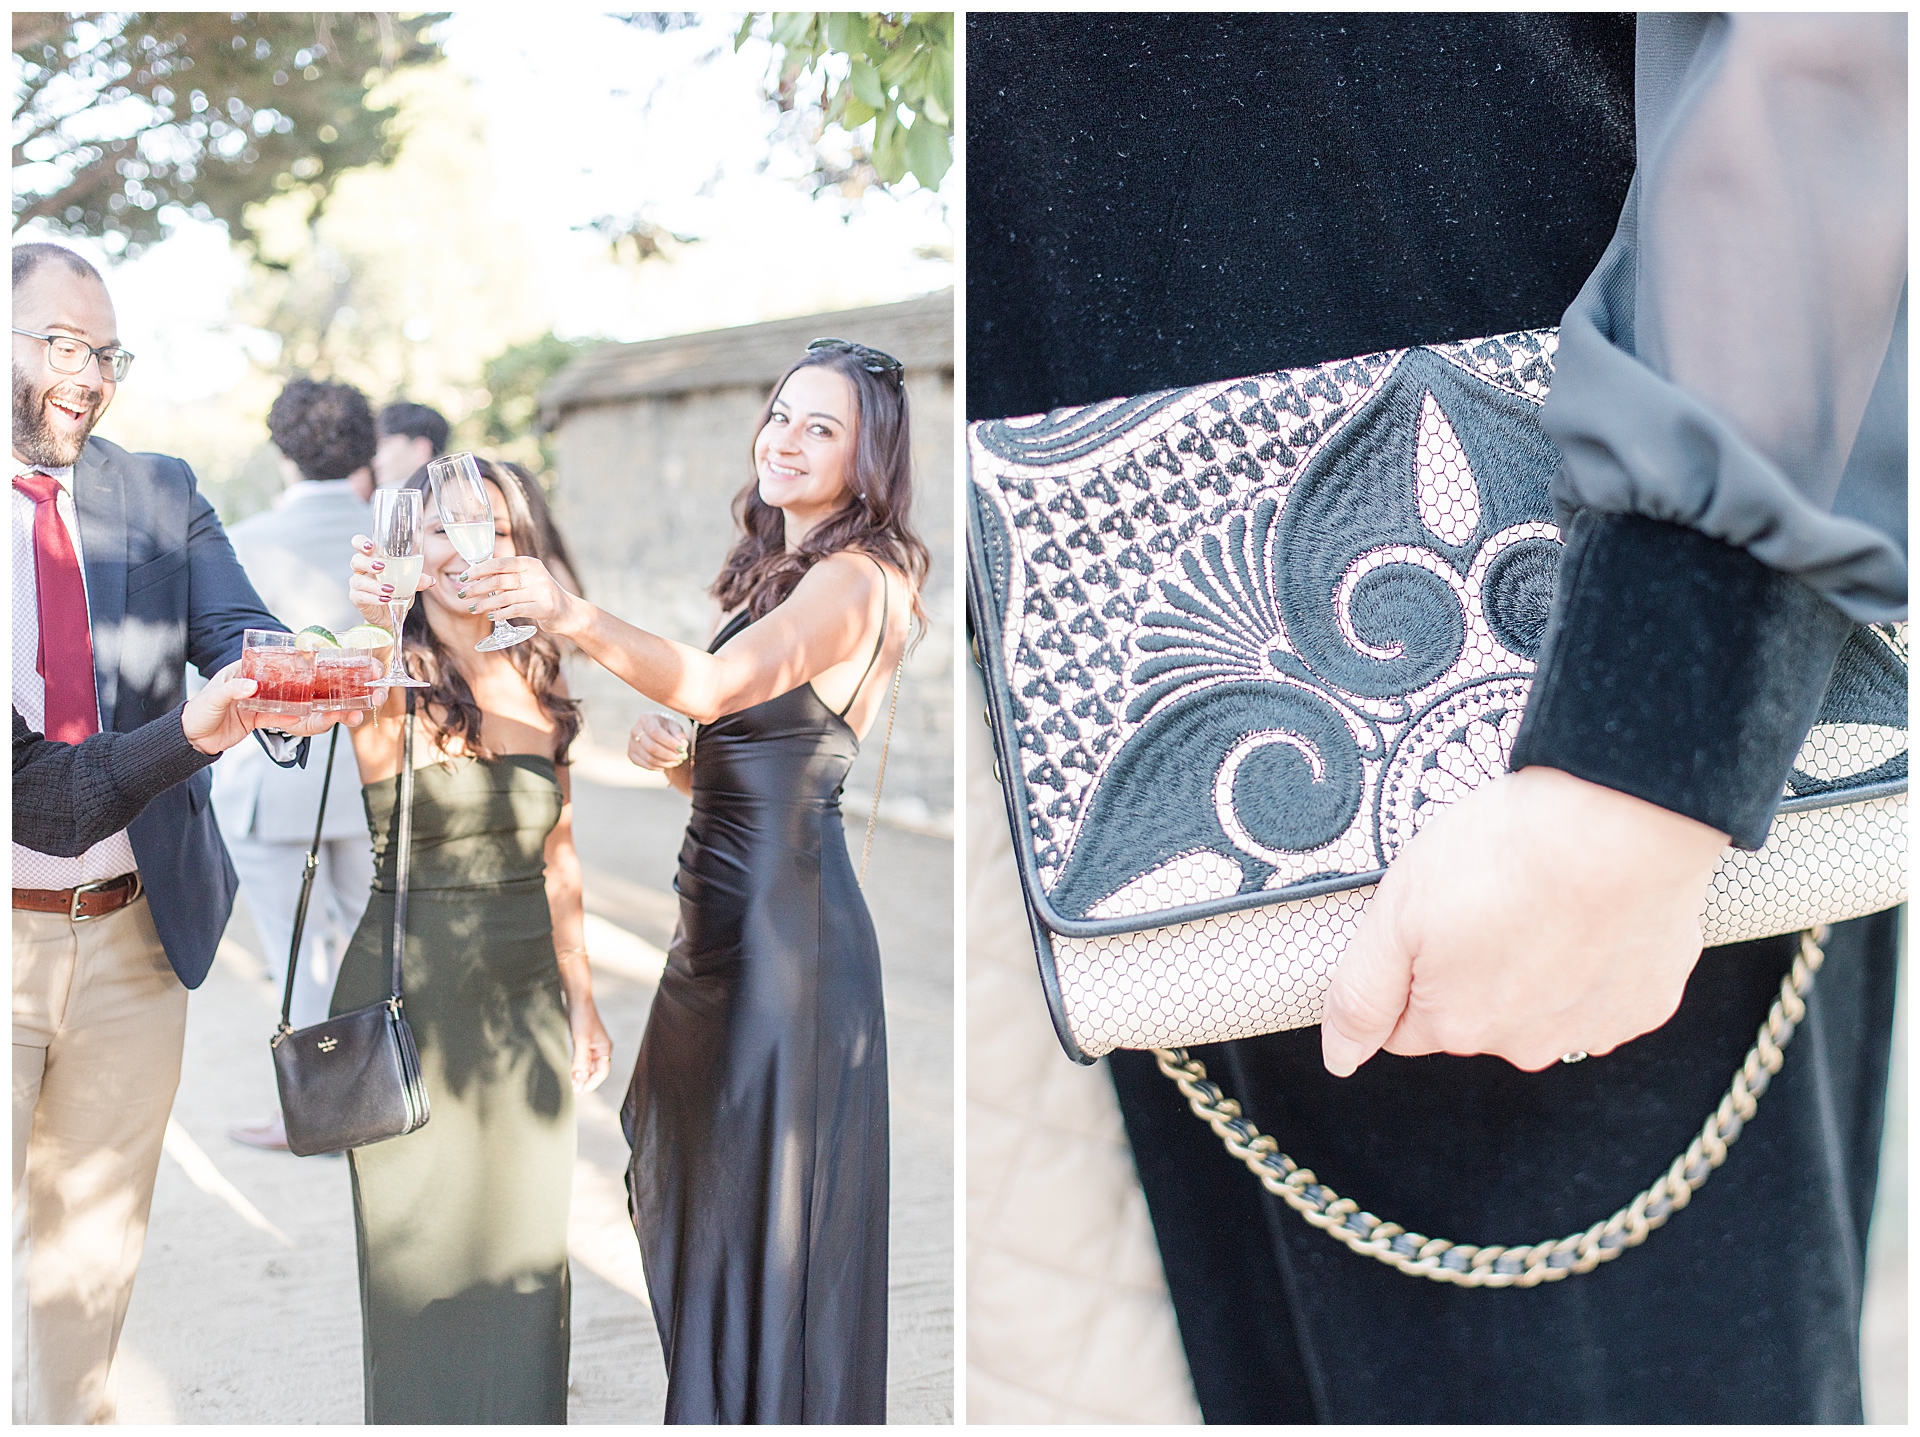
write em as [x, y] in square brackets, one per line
[514, 379]
[899, 77]
[383, 291]
[120, 115]
[380, 290]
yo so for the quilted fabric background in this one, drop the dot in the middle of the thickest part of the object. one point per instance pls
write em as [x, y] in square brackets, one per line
[1068, 1318]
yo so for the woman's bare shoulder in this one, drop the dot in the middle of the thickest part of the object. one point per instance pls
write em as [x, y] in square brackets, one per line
[859, 571]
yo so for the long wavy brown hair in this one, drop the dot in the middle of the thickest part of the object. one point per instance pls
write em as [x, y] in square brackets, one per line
[553, 544]
[448, 698]
[761, 571]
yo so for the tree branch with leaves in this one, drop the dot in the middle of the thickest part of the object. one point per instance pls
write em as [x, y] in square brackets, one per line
[898, 78]
[120, 115]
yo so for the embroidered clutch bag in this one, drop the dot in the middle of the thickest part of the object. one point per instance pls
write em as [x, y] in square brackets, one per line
[1240, 641]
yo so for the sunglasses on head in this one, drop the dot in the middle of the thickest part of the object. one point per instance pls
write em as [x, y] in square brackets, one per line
[873, 361]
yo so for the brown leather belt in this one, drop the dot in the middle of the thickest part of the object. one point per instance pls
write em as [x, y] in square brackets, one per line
[89, 900]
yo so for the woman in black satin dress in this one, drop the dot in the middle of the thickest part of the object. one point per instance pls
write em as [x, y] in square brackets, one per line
[758, 1108]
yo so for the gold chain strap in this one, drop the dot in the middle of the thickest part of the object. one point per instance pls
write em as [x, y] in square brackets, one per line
[873, 813]
[1463, 1264]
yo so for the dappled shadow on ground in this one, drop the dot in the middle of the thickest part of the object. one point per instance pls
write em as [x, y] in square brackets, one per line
[256, 1319]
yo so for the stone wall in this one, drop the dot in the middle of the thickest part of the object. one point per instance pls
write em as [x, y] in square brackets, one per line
[653, 443]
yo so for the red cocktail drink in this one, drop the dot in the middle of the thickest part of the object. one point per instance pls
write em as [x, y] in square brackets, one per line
[282, 672]
[343, 679]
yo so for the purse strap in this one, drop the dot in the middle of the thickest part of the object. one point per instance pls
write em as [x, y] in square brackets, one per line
[403, 830]
[1464, 1264]
[306, 892]
[403, 839]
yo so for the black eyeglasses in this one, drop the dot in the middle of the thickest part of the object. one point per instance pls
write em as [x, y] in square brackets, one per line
[872, 360]
[67, 355]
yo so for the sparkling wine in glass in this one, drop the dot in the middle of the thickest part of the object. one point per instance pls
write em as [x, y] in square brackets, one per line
[466, 514]
[398, 540]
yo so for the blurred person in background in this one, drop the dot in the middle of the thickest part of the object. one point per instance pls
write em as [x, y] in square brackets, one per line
[409, 435]
[293, 554]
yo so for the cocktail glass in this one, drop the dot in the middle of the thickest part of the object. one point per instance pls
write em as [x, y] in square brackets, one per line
[281, 670]
[397, 539]
[466, 516]
[343, 679]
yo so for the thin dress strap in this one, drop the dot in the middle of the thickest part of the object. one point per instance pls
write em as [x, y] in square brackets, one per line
[886, 600]
[729, 629]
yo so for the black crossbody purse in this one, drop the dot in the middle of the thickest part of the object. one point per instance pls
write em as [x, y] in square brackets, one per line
[354, 1079]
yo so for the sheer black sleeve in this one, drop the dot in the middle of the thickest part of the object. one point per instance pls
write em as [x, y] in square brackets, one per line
[1729, 405]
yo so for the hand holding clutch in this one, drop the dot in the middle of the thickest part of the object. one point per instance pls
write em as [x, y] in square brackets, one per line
[1539, 916]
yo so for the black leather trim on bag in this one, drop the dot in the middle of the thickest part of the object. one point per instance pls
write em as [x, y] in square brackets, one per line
[979, 597]
[354, 1079]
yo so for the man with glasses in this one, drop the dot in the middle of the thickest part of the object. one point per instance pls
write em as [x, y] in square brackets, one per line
[121, 577]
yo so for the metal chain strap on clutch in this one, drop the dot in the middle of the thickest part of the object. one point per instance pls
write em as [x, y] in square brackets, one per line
[1241, 640]
[1467, 1265]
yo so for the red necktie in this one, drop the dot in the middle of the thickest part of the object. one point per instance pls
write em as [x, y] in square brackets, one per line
[66, 642]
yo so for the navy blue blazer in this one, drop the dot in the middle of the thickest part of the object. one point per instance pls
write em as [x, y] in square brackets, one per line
[164, 590]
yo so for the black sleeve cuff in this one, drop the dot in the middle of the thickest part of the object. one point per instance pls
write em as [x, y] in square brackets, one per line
[1680, 670]
[154, 757]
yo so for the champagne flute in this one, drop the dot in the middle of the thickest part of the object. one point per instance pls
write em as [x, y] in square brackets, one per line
[466, 514]
[399, 540]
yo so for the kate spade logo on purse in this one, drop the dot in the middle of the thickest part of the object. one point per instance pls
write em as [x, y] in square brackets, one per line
[327, 1044]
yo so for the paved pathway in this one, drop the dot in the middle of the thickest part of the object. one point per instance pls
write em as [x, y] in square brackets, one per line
[246, 1307]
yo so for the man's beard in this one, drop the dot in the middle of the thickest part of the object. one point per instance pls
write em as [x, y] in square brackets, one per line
[34, 439]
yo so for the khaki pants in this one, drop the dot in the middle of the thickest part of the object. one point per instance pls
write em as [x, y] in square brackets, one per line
[99, 1020]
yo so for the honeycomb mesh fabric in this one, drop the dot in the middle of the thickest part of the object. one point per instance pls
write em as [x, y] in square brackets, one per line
[1266, 970]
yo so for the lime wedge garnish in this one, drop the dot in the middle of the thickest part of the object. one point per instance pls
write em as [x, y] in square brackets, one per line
[315, 636]
[366, 636]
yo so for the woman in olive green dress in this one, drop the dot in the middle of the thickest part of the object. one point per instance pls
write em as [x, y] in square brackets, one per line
[462, 1225]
